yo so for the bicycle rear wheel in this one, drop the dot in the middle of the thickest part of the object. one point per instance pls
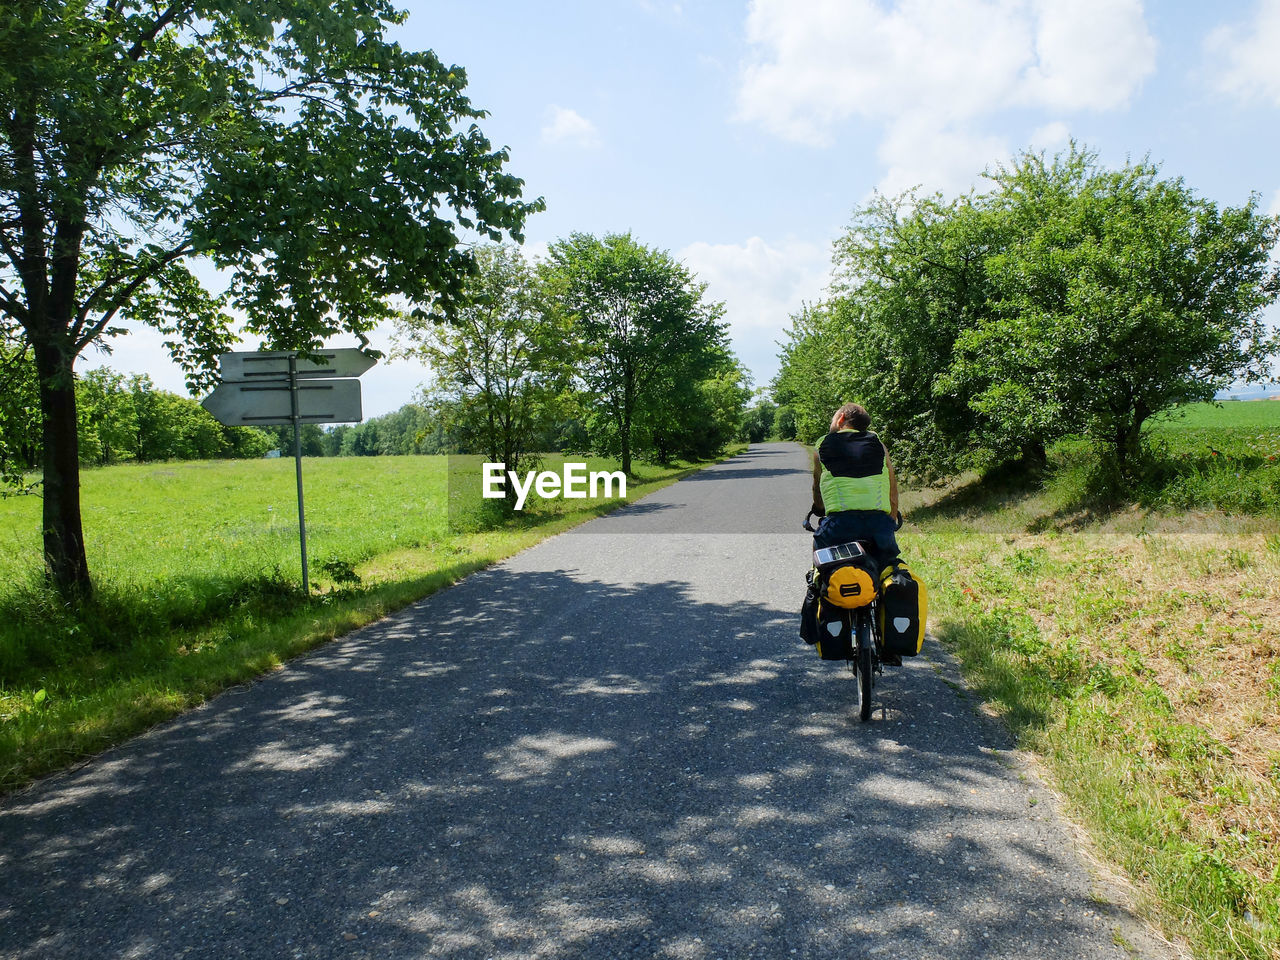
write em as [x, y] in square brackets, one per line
[864, 667]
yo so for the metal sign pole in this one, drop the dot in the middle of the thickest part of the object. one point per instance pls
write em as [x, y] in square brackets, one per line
[297, 459]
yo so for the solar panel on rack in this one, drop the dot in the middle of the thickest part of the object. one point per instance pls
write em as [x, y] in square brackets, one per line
[841, 551]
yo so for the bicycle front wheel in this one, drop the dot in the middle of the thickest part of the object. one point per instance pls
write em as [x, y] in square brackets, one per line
[863, 654]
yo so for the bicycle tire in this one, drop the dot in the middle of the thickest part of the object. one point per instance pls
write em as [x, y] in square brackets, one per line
[863, 654]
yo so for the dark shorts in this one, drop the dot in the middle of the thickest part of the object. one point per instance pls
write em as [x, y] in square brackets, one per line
[873, 525]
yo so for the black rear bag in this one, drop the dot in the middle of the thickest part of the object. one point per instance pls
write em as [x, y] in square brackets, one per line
[902, 611]
[835, 632]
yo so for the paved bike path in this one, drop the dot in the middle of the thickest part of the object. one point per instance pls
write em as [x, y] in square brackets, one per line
[611, 745]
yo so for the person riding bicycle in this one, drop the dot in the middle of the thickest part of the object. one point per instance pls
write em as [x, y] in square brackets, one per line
[855, 490]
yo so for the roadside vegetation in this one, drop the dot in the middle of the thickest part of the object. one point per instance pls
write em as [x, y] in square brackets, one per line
[198, 585]
[1134, 645]
[1103, 542]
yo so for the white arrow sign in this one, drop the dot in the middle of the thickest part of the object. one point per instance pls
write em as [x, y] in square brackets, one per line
[261, 404]
[274, 364]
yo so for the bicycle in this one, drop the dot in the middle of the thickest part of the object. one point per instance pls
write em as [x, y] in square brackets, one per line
[865, 662]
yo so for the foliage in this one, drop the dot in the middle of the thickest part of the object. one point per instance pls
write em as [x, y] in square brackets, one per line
[758, 421]
[410, 429]
[694, 410]
[817, 366]
[645, 330]
[1068, 299]
[500, 369]
[785, 422]
[325, 167]
[122, 419]
[1118, 295]
[19, 415]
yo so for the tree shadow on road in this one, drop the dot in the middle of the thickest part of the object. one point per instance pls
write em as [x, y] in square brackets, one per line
[543, 765]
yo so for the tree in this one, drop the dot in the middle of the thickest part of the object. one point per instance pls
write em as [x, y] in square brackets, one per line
[291, 144]
[641, 319]
[1068, 299]
[785, 423]
[1120, 294]
[910, 278]
[694, 407]
[108, 421]
[758, 419]
[812, 379]
[500, 370]
[19, 416]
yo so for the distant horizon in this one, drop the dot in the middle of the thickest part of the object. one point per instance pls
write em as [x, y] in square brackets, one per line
[1256, 393]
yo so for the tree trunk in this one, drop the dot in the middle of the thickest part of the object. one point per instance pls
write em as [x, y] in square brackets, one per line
[628, 404]
[64, 556]
[1034, 456]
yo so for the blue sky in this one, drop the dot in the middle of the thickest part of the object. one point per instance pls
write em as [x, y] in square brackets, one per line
[741, 135]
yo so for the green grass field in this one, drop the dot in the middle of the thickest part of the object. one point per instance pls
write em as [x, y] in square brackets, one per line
[1228, 415]
[198, 584]
[161, 525]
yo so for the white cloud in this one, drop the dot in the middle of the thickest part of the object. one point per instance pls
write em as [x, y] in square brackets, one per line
[1244, 56]
[932, 70]
[922, 151]
[568, 126]
[1051, 136]
[761, 286]
[1089, 54]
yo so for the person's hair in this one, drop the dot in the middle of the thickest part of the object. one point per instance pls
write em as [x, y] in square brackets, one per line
[854, 415]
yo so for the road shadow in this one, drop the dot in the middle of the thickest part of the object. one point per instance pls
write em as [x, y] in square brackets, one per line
[539, 764]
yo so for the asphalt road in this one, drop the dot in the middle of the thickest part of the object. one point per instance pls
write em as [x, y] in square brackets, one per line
[612, 745]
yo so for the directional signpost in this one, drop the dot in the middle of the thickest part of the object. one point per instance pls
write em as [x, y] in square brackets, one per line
[266, 387]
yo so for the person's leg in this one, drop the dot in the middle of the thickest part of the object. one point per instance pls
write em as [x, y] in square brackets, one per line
[829, 532]
[885, 538]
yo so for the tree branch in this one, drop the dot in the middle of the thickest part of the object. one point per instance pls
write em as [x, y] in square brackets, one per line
[86, 333]
[13, 306]
[166, 18]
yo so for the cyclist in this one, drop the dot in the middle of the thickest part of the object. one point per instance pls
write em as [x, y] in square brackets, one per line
[855, 490]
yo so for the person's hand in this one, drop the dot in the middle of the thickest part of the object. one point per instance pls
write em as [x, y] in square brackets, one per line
[897, 524]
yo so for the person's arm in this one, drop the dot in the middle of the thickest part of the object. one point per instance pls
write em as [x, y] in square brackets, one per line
[893, 485]
[819, 508]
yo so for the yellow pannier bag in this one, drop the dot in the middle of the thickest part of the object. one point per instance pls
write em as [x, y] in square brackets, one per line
[850, 586]
[904, 605]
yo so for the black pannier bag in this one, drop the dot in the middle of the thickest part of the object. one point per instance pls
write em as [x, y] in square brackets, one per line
[835, 632]
[809, 613]
[904, 605]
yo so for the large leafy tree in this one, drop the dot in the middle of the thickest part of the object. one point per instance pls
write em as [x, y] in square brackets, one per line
[291, 143]
[1067, 299]
[910, 277]
[644, 325]
[1119, 294]
[499, 372]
